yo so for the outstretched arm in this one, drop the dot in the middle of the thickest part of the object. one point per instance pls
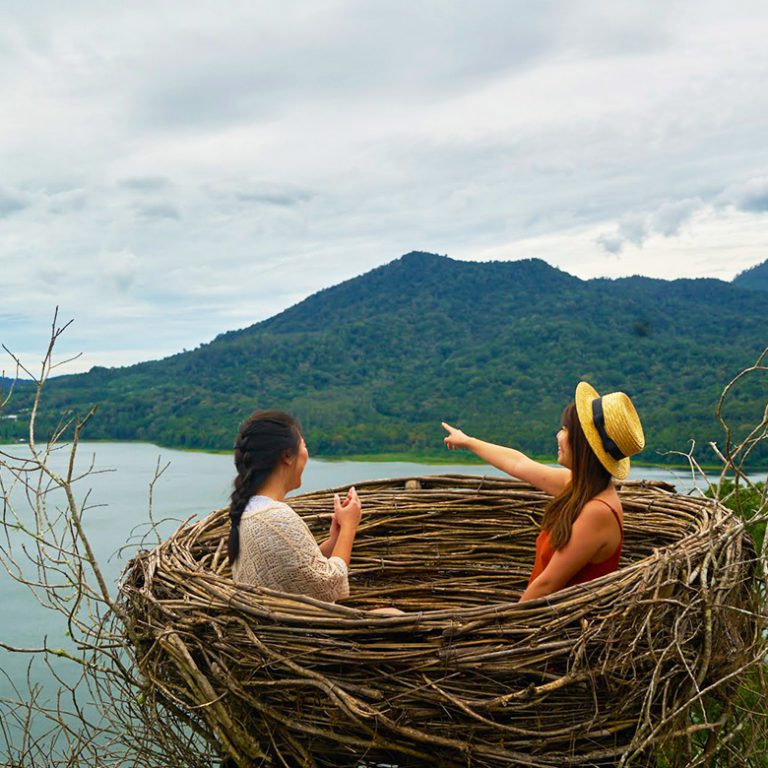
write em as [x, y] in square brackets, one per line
[551, 480]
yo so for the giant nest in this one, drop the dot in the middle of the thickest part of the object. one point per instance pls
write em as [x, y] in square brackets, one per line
[596, 674]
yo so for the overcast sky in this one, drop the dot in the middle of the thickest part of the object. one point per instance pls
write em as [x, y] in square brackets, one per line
[173, 170]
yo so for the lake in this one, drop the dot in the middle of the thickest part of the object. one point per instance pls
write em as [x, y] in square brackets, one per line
[193, 485]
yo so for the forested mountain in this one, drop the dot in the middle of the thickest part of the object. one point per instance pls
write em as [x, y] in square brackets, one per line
[754, 279]
[372, 365]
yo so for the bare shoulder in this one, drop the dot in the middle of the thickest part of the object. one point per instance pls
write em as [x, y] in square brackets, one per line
[596, 513]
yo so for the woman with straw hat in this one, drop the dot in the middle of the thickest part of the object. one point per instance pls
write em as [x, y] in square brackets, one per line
[582, 528]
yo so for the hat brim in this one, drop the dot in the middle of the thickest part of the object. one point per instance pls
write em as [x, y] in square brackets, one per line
[585, 394]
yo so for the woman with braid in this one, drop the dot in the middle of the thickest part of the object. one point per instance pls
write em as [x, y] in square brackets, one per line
[269, 544]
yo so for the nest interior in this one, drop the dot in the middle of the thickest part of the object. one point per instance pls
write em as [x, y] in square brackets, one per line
[466, 675]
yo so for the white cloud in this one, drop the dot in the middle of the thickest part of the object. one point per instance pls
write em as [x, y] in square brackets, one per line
[750, 196]
[12, 202]
[118, 270]
[172, 171]
[716, 243]
[635, 228]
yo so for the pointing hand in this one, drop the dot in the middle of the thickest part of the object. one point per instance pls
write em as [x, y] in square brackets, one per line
[455, 438]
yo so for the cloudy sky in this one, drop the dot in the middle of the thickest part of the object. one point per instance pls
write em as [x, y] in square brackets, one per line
[173, 170]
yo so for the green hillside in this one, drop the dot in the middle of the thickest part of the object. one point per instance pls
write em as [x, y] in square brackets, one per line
[373, 364]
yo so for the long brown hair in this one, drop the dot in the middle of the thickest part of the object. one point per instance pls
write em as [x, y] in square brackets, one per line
[588, 478]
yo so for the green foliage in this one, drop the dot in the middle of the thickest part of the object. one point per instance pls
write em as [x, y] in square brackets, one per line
[745, 713]
[372, 365]
[746, 503]
[746, 707]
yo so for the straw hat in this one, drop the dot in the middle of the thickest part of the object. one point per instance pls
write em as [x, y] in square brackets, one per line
[612, 427]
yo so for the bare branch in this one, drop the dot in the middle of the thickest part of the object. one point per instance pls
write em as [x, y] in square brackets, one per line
[99, 714]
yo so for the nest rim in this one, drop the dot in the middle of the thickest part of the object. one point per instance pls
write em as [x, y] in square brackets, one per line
[356, 616]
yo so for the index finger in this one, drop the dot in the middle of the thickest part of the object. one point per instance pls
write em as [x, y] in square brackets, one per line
[447, 427]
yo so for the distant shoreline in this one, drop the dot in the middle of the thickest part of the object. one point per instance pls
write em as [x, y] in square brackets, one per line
[473, 461]
[451, 457]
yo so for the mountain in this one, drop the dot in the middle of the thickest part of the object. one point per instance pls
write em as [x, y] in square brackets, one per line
[8, 384]
[372, 365]
[753, 279]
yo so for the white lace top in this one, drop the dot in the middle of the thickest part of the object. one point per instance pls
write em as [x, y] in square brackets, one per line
[278, 551]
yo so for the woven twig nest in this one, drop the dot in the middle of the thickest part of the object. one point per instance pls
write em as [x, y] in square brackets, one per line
[467, 676]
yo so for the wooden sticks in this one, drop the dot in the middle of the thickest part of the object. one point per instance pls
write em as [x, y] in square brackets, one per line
[597, 674]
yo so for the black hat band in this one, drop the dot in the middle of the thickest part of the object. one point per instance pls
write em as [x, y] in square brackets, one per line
[598, 417]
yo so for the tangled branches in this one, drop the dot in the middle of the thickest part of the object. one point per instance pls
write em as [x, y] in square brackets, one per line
[100, 713]
[595, 675]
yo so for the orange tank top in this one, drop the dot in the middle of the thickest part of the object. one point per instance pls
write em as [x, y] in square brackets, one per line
[591, 570]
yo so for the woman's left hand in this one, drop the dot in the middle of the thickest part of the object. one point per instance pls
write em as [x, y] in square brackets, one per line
[333, 532]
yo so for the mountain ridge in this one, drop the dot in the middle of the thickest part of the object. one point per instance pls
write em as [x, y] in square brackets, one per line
[753, 279]
[373, 364]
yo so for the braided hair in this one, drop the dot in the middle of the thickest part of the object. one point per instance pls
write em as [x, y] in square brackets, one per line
[264, 439]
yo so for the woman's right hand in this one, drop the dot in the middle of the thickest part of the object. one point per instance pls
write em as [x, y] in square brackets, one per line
[455, 438]
[349, 511]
